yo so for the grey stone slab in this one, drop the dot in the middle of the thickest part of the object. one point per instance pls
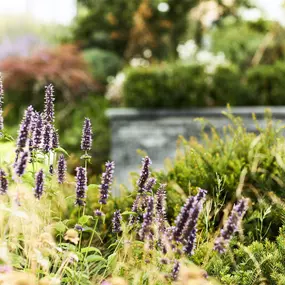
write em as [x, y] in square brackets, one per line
[156, 132]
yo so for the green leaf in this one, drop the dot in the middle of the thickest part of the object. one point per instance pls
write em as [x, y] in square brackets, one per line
[129, 213]
[84, 219]
[91, 248]
[94, 258]
[112, 259]
[62, 150]
[60, 227]
[93, 187]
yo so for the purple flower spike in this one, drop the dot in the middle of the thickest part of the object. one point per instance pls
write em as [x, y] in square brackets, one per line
[39, 187]
[61, 169]
[175, 270]
[3, 182]
[1, 104]
[49, 104]
[25, 127]
[47, 137]
[37, 136]
[149, 184]
[160, 207]
[146, 162]
[55, 139]
[231, 226]
[86, 140]
[81, 186]
[116, 221]
[182, 218]
[21, 164]
[106, 182]
[145, 231]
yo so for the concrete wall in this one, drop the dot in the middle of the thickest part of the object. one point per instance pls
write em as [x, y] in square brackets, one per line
[156, 132]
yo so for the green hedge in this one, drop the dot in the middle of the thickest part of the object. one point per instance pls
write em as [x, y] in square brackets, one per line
[182, 86]
[165, 86]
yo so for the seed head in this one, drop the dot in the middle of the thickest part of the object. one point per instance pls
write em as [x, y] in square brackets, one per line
[86, 140]
[106, 182]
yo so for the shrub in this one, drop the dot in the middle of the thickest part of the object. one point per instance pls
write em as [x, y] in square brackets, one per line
[266, 83]
[244, 162]
[102, 63]
[166, 86]
[227, 87]
[63, 66]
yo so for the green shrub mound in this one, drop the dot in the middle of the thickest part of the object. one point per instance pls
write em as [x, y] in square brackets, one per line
[165, 86]
[184, 86]
[102, 63]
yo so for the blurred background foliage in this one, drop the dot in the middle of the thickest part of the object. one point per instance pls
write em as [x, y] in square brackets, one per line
[144, 54]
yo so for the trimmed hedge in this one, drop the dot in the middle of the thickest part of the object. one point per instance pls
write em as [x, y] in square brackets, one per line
[182, 86]
[165, 86]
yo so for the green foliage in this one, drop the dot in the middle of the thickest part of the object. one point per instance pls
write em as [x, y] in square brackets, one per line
[251, 166]
[266, 83]
[238, 40]
[182, 86]
[227, 87]
[165, 86]
[258, 263]
[102, 63]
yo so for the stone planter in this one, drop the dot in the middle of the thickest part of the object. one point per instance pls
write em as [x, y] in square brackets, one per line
[156, 132]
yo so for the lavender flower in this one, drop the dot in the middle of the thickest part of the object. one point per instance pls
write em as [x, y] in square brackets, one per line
[86, 140]
[21, 164]
[37, 135]
[160, 207]
[47, 137]
[135, 209]
[81, 186]
[189, 230]
[146, 162]
[1, 104]
[231, 226]
[3, 182]
[116, 221]
[182, 218]
[149, 184]
[175, 270]
[190, 243]
[32, 129]
[147, 219]
[39, 187]
[106, 182]
[98, 213]
[61, 169]
[55, 139]
[25, 128]
[49, 104]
